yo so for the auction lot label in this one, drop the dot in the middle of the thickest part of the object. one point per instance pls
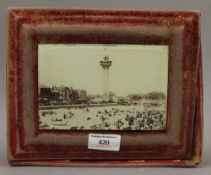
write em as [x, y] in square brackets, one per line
[107, 142]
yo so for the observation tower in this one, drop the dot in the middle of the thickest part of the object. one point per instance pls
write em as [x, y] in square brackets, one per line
[106, 64]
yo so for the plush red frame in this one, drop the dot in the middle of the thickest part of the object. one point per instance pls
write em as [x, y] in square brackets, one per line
[29, 27]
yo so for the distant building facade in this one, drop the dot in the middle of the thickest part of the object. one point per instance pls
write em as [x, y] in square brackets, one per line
[82, 96]
[44, 94]
[62, 95]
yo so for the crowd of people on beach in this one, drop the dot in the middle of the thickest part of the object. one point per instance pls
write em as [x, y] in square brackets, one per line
[148, 117]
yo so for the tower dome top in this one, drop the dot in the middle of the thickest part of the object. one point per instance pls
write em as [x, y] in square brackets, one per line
[105, 63]
[106, 58]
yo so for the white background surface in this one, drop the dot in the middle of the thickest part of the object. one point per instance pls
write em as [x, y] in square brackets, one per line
[203, 5]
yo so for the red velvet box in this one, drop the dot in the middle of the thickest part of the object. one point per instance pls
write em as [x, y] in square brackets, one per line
[180, 144]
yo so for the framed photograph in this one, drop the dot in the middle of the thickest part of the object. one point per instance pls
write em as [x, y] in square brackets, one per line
[104, 87]
[97, 87]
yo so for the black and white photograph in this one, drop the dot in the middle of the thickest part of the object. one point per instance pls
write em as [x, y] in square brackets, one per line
[102, 87]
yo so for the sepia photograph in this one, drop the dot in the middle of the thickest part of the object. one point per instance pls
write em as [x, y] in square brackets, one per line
[102, 87]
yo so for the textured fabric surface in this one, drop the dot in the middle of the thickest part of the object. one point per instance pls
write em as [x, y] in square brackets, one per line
[203, 6]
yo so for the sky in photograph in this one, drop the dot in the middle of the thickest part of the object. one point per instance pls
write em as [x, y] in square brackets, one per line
[135, 68]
